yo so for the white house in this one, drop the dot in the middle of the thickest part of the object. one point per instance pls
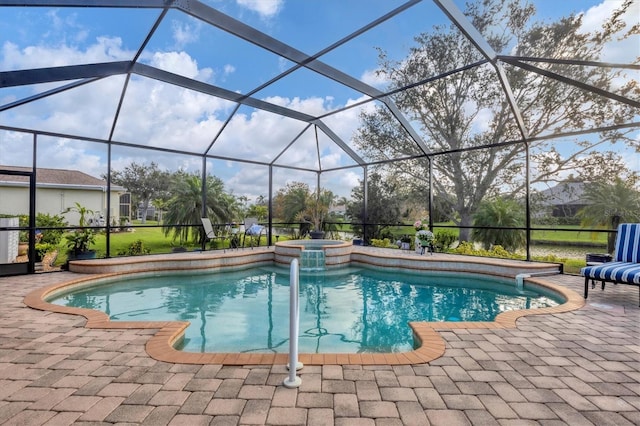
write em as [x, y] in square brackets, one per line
[56, 191]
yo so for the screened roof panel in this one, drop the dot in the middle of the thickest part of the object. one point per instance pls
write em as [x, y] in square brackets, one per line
[331, 154]
[624, 83]
[39, 37]
[302, 152]
[428, 107]
[162, 115]
[60, 113]
[310, 25]
[379, 135]
[307, 91]
[256, 135]
[16, 148]
[190, 47]
[548, 113]
[62, 153]
[359, 56]
[207, 58]
[11, 97]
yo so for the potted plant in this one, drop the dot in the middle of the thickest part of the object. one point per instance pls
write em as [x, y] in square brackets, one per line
[405, 242]
[78, 243]
[424, 239]
[316, 210]
[79, 240]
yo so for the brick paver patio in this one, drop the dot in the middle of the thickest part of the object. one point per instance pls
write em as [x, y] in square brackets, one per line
[577, 368]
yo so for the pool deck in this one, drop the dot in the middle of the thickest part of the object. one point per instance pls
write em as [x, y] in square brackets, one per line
[579, 367]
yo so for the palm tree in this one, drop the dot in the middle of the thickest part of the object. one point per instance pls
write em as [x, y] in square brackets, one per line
[609, 204]
[184, 208]
[500, 212]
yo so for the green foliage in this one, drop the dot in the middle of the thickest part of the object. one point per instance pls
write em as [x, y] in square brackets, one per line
[467, 248]
[384, 243]
[185, 209]
[51, 236]
[136, 248]
[609, 204]
[44, 220]
[144, 182]
[573, 266]
[550, 258]
[316, 208]
[296, 202]
[447, 110]
[500, 212]
[444, 239]
[383, 208]
[43, 248]
[259, 211]
[79, 240]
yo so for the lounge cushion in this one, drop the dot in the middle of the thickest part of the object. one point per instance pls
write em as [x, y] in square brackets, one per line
[255, 229]
[624, 272]
[628, 243]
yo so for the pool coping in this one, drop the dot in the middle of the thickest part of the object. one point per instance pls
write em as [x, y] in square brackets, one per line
[160, 345]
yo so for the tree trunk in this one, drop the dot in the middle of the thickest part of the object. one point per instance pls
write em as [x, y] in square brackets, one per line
[465, 220]
[145, 207]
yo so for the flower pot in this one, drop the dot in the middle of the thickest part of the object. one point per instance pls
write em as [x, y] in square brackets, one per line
[316, 235]
[84, 255]
[22, 249]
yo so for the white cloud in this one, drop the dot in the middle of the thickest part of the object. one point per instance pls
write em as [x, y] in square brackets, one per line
[105, 49]
[620, 51]
[160, 115]
[265, 8]
[229, 69]
[184, 33]
[375, 79]
[181, 63]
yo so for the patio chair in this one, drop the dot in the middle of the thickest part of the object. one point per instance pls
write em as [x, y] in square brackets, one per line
[625, 265]
[209, 234]
[252, 230]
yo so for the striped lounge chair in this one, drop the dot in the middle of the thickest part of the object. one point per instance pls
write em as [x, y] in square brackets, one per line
[625, 265]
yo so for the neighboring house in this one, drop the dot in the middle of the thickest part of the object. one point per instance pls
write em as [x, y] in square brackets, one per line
[338, 209]
[151, 210]
[563, 200]
[56, 191]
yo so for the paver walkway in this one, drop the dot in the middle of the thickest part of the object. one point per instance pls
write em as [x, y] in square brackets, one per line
[576, 368]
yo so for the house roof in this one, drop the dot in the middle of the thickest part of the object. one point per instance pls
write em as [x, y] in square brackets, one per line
[564, 193]
[54, 177]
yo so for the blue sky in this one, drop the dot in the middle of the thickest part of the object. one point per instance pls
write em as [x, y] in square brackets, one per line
[162, 116]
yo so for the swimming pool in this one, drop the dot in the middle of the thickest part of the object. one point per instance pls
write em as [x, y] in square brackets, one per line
[346, 310]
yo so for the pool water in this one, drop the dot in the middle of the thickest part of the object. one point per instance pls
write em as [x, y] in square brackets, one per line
[346, 310]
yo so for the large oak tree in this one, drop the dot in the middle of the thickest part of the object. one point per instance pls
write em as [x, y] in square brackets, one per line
[467, 108]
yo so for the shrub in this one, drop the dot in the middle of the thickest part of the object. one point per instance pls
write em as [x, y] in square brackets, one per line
[136, 248]
[444, 239]
[384, 243]
[469, 249]
[499, 212]
[45, 220]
